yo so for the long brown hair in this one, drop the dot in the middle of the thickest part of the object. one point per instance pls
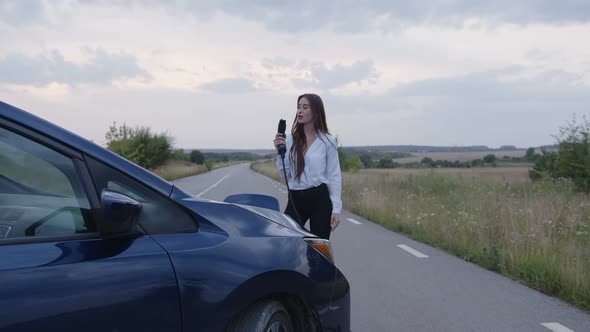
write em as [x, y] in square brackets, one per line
[299, 140]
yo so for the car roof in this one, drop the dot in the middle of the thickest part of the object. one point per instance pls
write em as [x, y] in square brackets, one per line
[63, 136]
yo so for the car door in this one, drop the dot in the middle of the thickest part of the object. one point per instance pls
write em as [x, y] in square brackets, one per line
[56, 272]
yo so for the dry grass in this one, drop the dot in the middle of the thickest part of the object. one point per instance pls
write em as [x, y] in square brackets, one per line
[500, 174]
[268, 168]
[176, 169]
[538, 233]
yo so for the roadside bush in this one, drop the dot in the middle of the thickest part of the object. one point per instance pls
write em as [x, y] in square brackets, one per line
[140, 144]
[208, 164]
[572, 160]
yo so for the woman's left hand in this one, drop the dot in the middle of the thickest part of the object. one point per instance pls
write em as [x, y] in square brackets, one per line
[335, 220]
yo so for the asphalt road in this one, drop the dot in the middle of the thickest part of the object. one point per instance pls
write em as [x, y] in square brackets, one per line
[398, 284]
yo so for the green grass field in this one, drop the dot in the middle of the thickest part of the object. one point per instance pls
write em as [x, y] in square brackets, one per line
[537, 233]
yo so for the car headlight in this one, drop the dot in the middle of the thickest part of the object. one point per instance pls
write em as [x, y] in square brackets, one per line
[323, 246]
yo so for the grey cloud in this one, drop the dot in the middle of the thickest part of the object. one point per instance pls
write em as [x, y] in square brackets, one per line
[42, 70]
[353, 16]
[497, 86]
[349, 16]
[480, 108]
[325, 77]
[551, 91]
[230, 86]
[18, 12]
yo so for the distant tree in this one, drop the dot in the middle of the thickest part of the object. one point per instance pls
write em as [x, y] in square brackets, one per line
[545, 166]
[428, 161]
[366, 160]
[197, 157]
[354, 162]
[349, 161]
[489, 159]
[530, 153]
[179, 154]
[386, 163]
[342, 159]
[507, 147]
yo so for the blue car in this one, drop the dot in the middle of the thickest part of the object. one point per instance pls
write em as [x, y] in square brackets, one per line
[92, 242]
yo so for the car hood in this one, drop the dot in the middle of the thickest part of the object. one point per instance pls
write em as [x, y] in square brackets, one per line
[276, 217]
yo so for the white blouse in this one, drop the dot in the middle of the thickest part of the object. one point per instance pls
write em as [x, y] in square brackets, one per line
[321, 166]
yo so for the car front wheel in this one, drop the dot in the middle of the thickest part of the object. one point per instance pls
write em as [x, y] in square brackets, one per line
[268, 316]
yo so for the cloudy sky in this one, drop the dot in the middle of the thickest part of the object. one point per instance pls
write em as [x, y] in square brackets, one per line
[220, 74]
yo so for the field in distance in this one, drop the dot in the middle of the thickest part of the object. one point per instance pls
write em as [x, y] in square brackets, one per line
[461, 156]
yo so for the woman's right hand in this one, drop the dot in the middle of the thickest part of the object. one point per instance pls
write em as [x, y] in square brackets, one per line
[279, 139]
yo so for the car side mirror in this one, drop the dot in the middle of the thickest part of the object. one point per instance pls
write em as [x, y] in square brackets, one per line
[120, 213]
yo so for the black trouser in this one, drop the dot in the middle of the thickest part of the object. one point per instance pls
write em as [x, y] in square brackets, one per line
[313, 204]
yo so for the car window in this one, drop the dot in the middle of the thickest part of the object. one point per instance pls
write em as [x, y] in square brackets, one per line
[40, 191]
[159, 215]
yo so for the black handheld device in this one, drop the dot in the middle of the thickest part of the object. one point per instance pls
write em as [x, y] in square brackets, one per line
[281, 148]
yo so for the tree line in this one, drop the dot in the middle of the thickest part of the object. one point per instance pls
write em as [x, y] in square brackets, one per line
[570, 162]
[355, 161]
[149, 149]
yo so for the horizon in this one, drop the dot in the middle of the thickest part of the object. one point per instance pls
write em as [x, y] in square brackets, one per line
[500, 148]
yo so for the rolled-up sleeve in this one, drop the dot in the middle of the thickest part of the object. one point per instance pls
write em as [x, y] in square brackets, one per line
[334, 175]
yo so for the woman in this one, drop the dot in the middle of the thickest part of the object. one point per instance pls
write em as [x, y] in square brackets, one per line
[313, 168]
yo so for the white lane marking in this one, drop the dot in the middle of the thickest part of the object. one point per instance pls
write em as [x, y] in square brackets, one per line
[354, 221]
[213, 186]
[556, 327]
[412, 251]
